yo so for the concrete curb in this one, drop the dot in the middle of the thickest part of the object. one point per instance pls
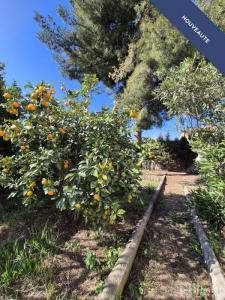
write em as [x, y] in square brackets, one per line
[115, 282]
[212, 264]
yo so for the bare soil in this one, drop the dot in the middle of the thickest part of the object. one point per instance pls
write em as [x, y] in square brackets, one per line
[169, 264]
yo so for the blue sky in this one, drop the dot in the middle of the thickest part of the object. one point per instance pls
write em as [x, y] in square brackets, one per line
[27, 59]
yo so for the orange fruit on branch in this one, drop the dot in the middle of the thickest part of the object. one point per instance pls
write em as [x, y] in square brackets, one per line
[15, 104]
[44, 103]
[31, 107]
[2, 133]
[44, 181]
[47, 96]
[97, 197]
[51, 193]
[50, 136]
[29, 193]
[7, 95]
[133, 114]
[62, 130]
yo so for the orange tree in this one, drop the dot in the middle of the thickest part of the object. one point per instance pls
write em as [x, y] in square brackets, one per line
[67, 156]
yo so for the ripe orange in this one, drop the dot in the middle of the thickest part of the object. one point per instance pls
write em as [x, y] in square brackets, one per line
[31, 107]
[34, 96]
[51, 193]
[133, 114]
[13, 111]
[44, 181]
[33, 184]
[47, 96]
[15, 104]
[66, 164]
[44, 103]
[2, 133]
[7, 95]
[97, 197]
[62, 130]
[29, 193]
[50, 136]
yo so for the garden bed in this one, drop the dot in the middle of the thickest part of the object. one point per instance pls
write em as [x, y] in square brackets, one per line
[59, 258]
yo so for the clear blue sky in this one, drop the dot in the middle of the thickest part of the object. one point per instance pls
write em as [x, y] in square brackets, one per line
[27, 59]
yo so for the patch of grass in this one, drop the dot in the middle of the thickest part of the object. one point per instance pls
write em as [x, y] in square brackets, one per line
[99, 287]
[111, 257]
[72, 245]
[137, 289]
[214, 241]
[194, 245]
[112, 240]
[199, 291]
[24, 259]
[90, 261]
[151, 186]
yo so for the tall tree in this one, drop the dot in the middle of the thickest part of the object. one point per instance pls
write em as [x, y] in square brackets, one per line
[95, 38]
[155, 48]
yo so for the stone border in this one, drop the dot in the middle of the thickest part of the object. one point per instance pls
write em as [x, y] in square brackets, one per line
[115, 282]
[212, 264]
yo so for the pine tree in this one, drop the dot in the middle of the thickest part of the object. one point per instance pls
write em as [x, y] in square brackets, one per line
[95, 38]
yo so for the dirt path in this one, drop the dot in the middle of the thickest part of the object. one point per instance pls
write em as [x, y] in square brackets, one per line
[169, 263]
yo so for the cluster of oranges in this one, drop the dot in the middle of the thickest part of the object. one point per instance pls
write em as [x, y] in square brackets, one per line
[44, 182]
[43, 94]
[13, 110]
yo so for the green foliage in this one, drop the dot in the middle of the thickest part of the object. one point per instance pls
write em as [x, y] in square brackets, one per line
[215, 11]
[68, 157]
[24, 259]
[209, 199]
[96, 36]
[200, 291]
[155, 151]
[99, 287]
[160, 44]
[91, 261]
[192, 91]
[111, 257]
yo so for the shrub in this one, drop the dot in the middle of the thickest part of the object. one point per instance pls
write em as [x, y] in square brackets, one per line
[155, 151]
[70, 157]
[209, 199]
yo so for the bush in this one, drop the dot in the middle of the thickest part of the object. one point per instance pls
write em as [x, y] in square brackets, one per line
[209, 199]
[69, 157]
[155, 151]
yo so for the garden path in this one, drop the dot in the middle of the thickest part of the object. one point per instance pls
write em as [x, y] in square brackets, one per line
[169, 263]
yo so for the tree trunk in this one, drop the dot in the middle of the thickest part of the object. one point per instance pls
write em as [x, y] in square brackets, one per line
[138, 136]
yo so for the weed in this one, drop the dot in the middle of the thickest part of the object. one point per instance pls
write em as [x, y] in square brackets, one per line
[194, 245]
[199, 291]
[91, 261]
[50, 290]
[72, 245]
[214, 241]
[99, 287]
[111, 257]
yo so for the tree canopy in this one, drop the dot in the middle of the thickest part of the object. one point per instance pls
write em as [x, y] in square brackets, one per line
[95, 38]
